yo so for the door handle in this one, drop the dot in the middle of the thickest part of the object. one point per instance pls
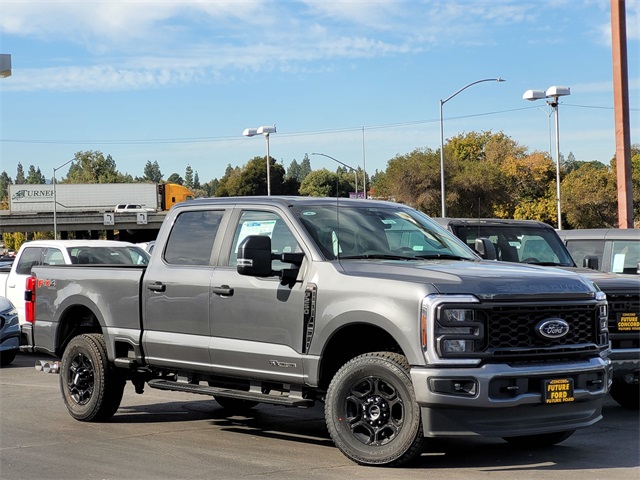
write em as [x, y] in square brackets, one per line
[157, 287]
[223, 290]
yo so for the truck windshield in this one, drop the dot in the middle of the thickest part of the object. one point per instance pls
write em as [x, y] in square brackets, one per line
[367, 232]
[521, 244]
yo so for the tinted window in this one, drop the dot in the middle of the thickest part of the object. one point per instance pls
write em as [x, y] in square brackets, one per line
[191, 238]
[87, 255]
[30, 257]
[581, 248]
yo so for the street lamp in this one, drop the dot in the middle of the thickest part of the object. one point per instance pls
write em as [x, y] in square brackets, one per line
[250, 132]
[55, 200]
[553, 93]
[344, 164]
[442, 102]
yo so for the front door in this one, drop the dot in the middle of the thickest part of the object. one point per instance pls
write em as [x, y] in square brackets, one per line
[257, 323]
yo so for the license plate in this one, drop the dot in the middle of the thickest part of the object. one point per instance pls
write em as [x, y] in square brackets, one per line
[628, 322]
[558, 390]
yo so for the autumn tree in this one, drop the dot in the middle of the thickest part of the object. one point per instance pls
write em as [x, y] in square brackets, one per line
[589, 197]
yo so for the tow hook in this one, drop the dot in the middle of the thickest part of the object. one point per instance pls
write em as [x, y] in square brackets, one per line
[47, 366]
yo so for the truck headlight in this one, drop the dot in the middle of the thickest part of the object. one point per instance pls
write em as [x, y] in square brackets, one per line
[459, 331]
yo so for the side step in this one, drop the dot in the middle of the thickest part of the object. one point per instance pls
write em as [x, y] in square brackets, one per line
[287, 401]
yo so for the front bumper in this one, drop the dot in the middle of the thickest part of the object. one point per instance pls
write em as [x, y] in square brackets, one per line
[508, 400]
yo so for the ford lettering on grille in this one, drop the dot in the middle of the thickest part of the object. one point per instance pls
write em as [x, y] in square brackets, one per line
[552, 328]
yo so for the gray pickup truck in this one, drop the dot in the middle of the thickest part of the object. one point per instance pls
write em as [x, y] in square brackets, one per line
[536, 243]
[370, 307]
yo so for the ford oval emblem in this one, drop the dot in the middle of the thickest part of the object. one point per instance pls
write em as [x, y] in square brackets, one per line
[552, 328]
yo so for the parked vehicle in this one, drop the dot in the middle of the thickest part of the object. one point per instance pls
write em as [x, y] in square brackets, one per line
[368, 306]
[528, 241]
[9, 332]
[94, 197]
[615, 250]
[62, 252]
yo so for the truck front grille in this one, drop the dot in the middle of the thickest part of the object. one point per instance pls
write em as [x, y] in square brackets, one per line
[512, 328]
[624, 334]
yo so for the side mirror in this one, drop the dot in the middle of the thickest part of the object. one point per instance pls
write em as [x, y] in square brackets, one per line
[485, 248]
[254, 256]
[590, 261]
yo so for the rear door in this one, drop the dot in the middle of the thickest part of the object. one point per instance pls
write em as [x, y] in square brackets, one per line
[176, 292]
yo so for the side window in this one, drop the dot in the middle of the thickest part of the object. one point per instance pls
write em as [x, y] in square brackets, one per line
[191, 238]
[264, 223]
[626, 256]
[53, 256]
[30, 257]
[581, 248]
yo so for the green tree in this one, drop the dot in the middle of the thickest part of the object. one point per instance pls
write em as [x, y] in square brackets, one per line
[294, 169]
[5, 181]
[175, 178]
[305, 168]
[196, 182]
[20, 178]
[152, 172]
[35, 176]
[188, 177]
[322, 183]
[93, 167]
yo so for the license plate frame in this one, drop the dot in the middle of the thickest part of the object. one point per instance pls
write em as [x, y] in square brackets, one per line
[558, 390]
[628, 322]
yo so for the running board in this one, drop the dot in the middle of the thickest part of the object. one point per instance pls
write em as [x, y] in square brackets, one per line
[287, 401]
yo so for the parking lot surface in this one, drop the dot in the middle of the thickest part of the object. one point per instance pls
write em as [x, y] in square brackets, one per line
[167, 435]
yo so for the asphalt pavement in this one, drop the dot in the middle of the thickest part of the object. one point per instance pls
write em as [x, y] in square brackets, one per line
[168, 435]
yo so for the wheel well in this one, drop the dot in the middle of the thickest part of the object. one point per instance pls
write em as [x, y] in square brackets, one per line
[75, 321]
[348, 343]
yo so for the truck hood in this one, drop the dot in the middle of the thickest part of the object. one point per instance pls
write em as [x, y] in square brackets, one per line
[484, 279]
[608, 282]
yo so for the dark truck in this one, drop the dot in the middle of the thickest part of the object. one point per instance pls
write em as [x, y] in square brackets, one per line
[536, 243]
[370, 307]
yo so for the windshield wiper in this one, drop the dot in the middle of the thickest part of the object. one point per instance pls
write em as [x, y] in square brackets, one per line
[547, 264]
[377, 256]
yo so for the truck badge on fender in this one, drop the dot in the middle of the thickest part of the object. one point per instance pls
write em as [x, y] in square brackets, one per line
[552, 328]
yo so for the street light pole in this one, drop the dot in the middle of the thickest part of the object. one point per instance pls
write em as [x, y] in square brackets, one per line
[442, 102]
[55, 199]
[344, 164]
[265, 130]
[552, 93]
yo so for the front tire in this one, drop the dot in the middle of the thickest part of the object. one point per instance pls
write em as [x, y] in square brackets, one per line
[371, 411]
[91, 387]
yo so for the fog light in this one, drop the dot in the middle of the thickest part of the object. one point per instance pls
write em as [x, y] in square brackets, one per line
[467, 387]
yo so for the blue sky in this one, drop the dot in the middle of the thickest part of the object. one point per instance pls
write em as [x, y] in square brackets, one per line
[177, 82]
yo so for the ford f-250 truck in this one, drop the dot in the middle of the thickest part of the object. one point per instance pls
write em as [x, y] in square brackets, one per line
[370, 307]
[533, 242]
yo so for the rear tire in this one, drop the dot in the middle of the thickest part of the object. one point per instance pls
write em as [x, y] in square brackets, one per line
[371, 411]
[7, 356]
[91, 387]
[627, 395]
[540, 440]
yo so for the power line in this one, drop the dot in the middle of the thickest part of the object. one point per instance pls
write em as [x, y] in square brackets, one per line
[290, 134]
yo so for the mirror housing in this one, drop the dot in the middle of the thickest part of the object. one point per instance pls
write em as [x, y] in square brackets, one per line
[590, 261]
[254, 256]
[485, 249]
